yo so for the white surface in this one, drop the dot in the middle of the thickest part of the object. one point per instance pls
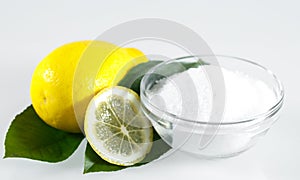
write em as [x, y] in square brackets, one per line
[264, 31]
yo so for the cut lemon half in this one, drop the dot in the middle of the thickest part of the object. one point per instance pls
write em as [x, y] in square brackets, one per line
[116, 128]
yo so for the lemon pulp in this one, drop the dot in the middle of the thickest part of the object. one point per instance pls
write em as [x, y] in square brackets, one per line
[116, 128]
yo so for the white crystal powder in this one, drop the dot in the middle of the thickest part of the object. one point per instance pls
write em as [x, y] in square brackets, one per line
[245, 96]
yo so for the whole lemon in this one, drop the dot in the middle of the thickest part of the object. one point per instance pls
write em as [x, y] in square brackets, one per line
[65, 80]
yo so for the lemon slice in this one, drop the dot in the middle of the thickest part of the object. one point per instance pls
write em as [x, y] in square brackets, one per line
[116, 128]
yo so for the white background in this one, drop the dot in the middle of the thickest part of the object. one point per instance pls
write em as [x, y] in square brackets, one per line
[266, 31]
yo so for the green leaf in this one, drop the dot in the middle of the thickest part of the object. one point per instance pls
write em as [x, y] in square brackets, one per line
[94, 163]
[159, 148]
[134, 76]
[29, 137]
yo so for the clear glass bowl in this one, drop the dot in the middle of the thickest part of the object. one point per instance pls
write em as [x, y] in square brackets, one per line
[212, 139]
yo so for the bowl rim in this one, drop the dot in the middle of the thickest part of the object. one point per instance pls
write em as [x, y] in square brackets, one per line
[252, 119]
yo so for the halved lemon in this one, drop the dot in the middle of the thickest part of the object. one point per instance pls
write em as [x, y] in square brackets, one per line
[116, 128]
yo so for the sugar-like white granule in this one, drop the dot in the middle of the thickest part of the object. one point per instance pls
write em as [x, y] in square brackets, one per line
[190, 93]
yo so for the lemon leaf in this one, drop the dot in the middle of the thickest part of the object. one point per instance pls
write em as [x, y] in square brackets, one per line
[29, 137]
[94, 163]
[134, 76]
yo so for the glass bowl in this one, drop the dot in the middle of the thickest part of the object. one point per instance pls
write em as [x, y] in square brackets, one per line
[213, 138]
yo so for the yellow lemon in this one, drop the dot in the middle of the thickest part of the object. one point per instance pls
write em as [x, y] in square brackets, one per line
[65, 81]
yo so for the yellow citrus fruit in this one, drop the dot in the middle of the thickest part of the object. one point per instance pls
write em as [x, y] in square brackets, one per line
[70, 76]
[116, 128]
